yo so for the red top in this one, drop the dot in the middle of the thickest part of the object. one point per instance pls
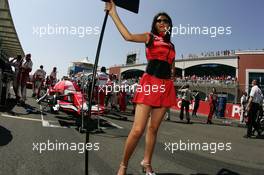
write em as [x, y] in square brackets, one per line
[157, 48]
[212, 99]
[164, 96]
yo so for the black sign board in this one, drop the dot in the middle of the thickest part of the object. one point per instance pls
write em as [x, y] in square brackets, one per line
[130, 5]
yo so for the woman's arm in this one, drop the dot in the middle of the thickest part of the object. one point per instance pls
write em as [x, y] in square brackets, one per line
[141, 38]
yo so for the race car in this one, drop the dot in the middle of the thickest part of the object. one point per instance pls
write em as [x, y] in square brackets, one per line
[67, 96]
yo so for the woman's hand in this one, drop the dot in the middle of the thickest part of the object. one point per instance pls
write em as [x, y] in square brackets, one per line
[111, 7]
[141, 38]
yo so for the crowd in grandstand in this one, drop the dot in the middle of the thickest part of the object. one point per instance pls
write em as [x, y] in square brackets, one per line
[227, 79]
[211, 54]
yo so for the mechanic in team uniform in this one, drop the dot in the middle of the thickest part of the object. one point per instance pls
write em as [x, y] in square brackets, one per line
[102, 78]
[39, 78]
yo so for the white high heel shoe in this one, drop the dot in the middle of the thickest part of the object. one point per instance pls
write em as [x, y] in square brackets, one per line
[144, 165]
[122, 167]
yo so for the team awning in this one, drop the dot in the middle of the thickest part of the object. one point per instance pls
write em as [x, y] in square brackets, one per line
[9, 42]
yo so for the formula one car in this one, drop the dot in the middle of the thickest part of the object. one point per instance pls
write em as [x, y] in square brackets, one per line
[66, 96]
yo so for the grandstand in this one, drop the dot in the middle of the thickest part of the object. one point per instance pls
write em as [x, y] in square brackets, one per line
[230, 72]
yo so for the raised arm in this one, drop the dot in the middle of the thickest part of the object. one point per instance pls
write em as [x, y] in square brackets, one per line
[141, 38]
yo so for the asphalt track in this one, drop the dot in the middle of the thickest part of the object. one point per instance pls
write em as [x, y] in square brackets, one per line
[23, 128]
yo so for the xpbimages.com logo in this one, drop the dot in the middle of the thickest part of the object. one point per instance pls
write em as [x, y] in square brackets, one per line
[147, 89]
[211, 31]
[212, 147]
[79, 31]
[41, 147]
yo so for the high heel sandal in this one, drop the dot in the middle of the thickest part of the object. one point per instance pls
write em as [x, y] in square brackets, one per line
[123, 167]
[144, 166]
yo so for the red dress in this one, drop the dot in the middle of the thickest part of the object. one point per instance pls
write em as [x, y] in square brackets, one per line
[212, 104]
[154, 91]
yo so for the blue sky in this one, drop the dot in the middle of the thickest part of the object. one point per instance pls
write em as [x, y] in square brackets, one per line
[244, 17]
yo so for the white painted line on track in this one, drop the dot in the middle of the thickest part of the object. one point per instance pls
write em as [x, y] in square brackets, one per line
[46, 123]
[21, 118]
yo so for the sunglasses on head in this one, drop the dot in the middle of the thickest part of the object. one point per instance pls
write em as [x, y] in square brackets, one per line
[166, 21]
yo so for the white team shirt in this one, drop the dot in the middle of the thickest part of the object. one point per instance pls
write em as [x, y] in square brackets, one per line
[40, 74]
[27, 64]
[102, 78]
[53, 75]
[186, 94]
[256, 94]
[17, 65]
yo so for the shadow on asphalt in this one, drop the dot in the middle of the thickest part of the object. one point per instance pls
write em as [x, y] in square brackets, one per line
[200, 123]
[67, 123]
[12, 103]
[257, 137]
[5, 136]
[118, 117]
[221, 172]
[167, 174]
[68, 118]
[8, 107]
[71, 121]
[107, 135]
[183, 174]
[226, 172]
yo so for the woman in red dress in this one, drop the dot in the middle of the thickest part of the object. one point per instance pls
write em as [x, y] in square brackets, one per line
[155, 93]
[212, 104]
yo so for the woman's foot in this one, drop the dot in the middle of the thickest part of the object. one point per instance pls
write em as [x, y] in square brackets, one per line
[147, 168]
[122, 169]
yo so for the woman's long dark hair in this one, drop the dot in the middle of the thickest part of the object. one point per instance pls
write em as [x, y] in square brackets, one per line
[167, 37]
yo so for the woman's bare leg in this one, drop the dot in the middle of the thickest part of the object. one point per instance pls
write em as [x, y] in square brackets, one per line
[157, 116]
[140, 121]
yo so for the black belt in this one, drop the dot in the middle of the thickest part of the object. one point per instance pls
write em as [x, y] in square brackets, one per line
[158, 68]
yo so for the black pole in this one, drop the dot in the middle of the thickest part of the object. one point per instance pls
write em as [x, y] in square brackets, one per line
[92, 89]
